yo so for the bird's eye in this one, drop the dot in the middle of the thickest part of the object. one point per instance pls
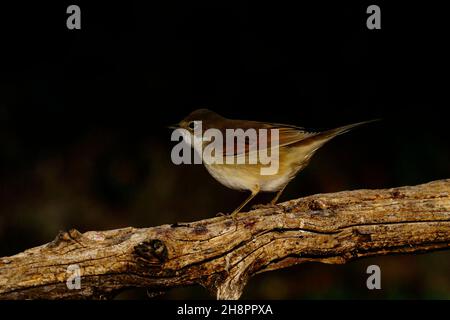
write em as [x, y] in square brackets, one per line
[191, 125]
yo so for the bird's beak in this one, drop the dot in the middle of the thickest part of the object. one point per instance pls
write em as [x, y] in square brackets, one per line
[174, 126]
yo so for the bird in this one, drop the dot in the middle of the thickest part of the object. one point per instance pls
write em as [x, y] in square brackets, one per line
[295, 147]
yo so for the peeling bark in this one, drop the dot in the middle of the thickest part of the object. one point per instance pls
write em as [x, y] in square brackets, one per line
[222, 254]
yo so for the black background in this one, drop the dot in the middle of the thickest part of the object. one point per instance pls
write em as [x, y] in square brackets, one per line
[83, 112]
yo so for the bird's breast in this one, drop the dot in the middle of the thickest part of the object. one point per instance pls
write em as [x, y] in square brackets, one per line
[247, 176]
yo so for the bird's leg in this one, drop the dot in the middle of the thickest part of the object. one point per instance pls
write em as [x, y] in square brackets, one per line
[272, 203]
[250, 197]
[277, 196]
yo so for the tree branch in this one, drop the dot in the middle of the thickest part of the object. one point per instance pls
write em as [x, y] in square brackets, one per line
[222, 254]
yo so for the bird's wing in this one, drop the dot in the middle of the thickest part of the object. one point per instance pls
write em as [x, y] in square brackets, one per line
[253, 140]
[287, 135]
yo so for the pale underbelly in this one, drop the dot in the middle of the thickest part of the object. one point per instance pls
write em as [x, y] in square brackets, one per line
[249, 177]
[240, 177]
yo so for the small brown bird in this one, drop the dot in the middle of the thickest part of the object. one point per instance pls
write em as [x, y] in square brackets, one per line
[295, 147]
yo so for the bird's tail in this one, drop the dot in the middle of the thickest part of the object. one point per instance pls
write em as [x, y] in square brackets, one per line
[327, 135]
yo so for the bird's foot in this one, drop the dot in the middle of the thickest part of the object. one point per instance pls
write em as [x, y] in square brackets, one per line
[221, 214]
[232, 215]
[264, 206]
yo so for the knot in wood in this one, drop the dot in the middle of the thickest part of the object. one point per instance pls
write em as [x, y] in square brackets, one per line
[152, 248]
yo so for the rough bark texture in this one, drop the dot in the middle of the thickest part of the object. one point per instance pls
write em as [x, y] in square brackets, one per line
[222, 254]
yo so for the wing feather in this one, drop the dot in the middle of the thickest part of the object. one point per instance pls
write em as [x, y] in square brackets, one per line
[252, 140]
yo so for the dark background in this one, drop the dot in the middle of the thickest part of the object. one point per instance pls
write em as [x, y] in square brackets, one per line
[83, 142]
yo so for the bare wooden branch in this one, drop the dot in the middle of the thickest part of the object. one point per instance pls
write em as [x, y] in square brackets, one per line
[222, 254]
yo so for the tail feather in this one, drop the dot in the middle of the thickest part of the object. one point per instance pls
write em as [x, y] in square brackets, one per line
[327, 135]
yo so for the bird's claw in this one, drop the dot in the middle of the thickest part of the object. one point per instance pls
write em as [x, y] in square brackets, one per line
[264, 206]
